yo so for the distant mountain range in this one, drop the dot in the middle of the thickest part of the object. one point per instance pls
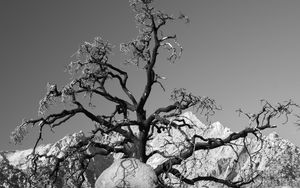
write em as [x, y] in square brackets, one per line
[275, 160]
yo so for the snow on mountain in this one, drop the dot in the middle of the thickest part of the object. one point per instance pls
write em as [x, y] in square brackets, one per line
[19, 159]
[275, 159]
[15, 165]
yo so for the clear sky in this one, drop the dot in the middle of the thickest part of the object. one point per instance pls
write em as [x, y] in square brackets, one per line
[236, 52]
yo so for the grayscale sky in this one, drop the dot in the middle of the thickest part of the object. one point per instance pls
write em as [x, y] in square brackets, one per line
[236, 52]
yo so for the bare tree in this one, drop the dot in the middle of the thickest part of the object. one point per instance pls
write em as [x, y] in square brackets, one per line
[130, 125]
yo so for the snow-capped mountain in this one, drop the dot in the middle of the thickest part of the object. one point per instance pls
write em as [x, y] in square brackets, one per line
[276, 160]
[15, 165]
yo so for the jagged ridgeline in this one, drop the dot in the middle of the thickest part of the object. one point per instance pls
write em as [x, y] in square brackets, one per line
[275, 160]
[16, 166]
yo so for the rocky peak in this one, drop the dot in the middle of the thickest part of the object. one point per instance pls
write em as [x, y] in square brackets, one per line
[14, 165]
[272, 156]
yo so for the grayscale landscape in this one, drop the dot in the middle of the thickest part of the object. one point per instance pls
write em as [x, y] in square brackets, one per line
[150, 94]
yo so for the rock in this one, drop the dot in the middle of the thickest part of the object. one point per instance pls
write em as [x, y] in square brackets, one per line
[127, 173]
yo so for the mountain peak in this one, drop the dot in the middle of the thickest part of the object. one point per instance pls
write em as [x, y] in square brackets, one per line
[217, 130]
[214, 130]
[272, 156]
[191, 118]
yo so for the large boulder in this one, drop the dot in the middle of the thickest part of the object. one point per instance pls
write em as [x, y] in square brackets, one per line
[127, 173]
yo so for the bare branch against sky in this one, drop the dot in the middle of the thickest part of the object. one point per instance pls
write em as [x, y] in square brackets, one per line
[237, 52]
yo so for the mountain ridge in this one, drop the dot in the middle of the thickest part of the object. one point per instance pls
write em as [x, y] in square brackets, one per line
[217, 162]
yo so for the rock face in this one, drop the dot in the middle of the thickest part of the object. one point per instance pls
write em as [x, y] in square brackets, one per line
[15, 165]
[275, 159]
[127, 173]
